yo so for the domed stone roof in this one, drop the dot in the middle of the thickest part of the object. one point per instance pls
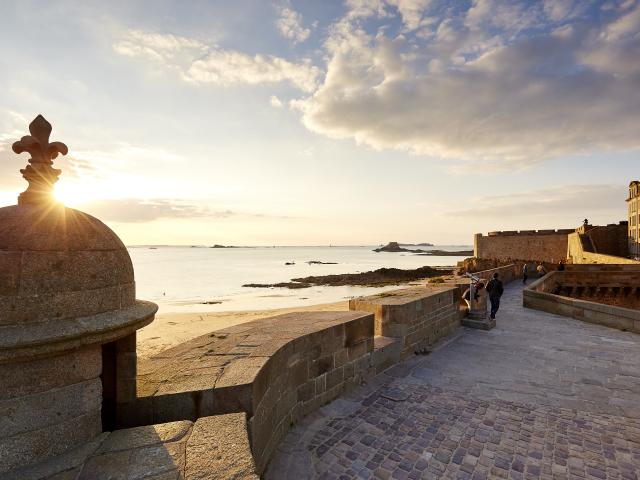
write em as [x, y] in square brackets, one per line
[66, 278]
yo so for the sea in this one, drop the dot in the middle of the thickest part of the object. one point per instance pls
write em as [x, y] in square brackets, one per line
[203, 279]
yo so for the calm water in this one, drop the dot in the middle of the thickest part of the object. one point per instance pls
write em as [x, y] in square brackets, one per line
[180, 279]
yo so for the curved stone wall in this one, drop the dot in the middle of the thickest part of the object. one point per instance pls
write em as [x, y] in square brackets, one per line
[276, 370]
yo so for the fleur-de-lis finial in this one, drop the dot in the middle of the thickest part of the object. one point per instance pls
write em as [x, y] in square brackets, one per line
[39, 173]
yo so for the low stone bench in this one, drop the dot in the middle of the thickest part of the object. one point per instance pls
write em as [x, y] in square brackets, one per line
[276, 370]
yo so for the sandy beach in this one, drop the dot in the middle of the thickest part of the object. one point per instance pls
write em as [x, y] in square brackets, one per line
[170, 329]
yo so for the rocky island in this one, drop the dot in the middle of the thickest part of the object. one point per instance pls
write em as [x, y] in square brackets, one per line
[396, 247]
[375, 278]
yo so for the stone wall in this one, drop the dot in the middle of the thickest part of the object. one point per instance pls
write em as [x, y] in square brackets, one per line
[581, 250]
[528, 245]
[276, 370]
[610, 239]
[585, 296]
[417, 317]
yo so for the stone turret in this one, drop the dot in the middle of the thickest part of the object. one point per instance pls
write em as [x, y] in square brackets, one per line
[68, 318]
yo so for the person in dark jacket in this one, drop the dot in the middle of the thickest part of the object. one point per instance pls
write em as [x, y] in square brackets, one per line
[525, 273]
[495, 289]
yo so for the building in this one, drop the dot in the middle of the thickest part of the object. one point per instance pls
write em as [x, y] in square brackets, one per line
[633, 202]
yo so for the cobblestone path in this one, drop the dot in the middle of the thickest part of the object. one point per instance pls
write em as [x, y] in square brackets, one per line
[540, 396]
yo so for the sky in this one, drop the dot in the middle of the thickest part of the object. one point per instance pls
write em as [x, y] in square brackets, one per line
[343, 122]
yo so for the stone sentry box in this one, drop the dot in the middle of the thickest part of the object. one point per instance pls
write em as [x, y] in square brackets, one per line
[68, 317]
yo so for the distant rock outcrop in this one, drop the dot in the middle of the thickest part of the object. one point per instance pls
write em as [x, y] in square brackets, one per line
[393, 247]
[375, 278]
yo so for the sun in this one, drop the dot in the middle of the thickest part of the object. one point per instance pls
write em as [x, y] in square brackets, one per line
[73, 195]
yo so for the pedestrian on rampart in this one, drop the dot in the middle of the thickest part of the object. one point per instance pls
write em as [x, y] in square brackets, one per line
[525, 273]
[541, 270]
[495, 290]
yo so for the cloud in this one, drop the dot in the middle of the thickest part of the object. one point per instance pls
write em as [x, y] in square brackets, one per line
[290, 26]
[275, 102]
[564, 200]
[199, 63]
[499, 84]
[134, 210]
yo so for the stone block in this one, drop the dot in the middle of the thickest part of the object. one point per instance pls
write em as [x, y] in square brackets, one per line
[358, 350]
[37, 445]
[307, 391]
[42, 409]
[132, 438]
[26, 378]
[358, 331]
[349, 369]
[340, 357]
[298, 374]
[321, 384]
[320, 366]
[335, 377]
[145, 462]
[208, 455]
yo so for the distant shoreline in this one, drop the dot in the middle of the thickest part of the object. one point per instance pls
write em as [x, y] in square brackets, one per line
[213, 246]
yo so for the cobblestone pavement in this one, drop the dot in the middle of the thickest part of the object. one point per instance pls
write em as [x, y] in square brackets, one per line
[540, 396]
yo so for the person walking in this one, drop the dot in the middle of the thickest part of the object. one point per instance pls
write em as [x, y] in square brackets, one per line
[525, 271]
[495, 289]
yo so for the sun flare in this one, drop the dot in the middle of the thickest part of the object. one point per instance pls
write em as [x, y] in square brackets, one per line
[73, 195]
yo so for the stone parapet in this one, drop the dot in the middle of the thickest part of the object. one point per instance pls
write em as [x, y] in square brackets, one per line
[418, 317]
[528, 245]
[276, 370]
[581, 251]
[606, 298]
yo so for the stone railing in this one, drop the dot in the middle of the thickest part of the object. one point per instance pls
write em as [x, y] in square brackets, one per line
[594, 297]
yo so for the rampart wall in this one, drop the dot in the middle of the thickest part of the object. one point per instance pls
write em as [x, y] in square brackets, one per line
[529, 245]
[580, 249]
[610, 239]
[606, 297]
[277, 370]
